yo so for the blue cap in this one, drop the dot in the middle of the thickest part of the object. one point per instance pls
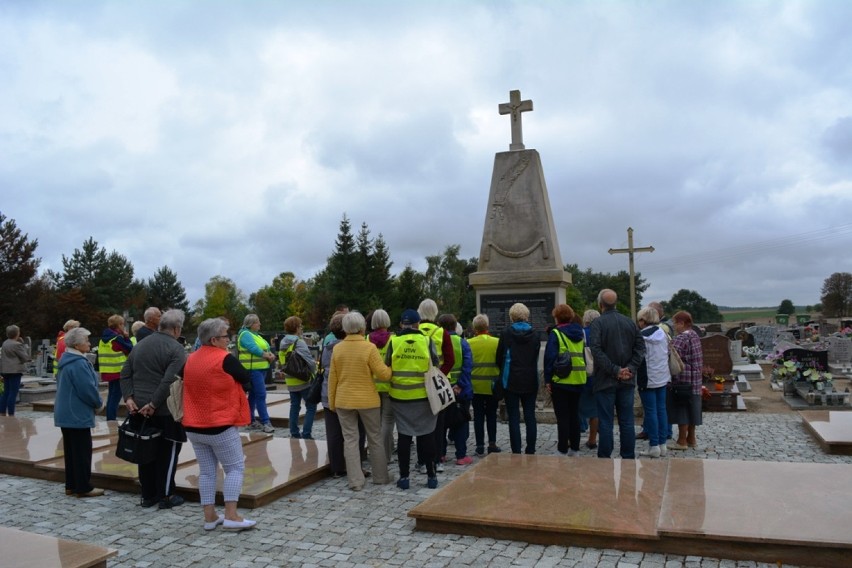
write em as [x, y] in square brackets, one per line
[409, 317]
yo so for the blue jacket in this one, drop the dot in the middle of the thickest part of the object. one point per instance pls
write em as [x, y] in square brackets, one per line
[77, 395]
[572, 331]
[463, 380]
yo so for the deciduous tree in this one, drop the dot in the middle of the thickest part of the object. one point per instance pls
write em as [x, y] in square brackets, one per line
[837, 295]
[222, 298]
[786, 307]
[698, 307]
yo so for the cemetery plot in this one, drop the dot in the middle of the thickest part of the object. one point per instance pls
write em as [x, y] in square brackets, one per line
[831, 429]
[28, 550]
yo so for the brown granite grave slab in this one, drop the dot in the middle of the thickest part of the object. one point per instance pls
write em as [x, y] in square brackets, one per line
[832, 429]
[279, 412]
[550, 500]
[717, 354]
[274, 467]
[28, 550]
[765, 511]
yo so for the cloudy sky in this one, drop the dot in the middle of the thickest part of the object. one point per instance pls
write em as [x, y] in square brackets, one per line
[229, 138]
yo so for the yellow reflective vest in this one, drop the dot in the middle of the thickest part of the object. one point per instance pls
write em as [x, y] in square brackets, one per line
[483, 348]
[250, 361]
[457, 363]
[578, 361]
[410, 359]
[382, 386]
[109, 361]
[436, 334]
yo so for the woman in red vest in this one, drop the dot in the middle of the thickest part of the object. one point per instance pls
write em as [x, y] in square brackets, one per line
[214, 406]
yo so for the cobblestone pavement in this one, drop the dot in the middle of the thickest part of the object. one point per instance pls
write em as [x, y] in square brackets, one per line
[326, 524]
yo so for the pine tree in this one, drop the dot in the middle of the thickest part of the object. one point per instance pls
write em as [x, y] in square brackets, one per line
[166, 291]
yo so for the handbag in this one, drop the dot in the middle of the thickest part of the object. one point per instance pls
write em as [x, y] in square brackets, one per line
[562, 365]
[438, 390]
[175, 400]
[456, 415]
[137, 445]
[295, 365]
[681, 394]
[590, 361]
[313, 395]
[675, 362]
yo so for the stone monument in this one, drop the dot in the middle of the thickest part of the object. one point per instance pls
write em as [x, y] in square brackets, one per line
[519, 260]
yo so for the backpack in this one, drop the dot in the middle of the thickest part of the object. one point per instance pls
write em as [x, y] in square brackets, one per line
[294, 365]
[562, 366]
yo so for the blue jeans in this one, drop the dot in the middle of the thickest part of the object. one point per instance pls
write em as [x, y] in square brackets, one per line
[513, 402]
[11, 386]
[113, 399]
[656, 419]
[620, 399]
[295, 407]
[484, 418]
[257, 396]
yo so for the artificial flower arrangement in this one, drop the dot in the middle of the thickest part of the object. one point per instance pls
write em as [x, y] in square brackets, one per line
[719, 379]
[752, 353]
[819, 379]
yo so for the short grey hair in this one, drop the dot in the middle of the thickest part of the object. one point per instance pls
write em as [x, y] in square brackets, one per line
[77, 336]
[172, 319]
[13, 331]
[151, 313]
[480, 323]
[519, 312]
[250, 320]
[589, 316]
[210, 328]
[649, 315]
[428, 309]
[354, 323]
[70, 324]
[380, 319]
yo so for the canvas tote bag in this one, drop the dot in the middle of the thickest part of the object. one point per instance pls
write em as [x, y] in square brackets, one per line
[438, 390]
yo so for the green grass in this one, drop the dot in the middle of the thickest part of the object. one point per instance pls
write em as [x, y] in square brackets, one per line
[757, 315]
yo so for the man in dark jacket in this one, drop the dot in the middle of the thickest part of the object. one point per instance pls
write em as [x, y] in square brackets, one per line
[517, 359]
[618, 350]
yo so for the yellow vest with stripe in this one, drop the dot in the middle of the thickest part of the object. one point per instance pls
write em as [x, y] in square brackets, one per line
[578, 361]
[382, 386]
[457, 364]
[436, 334]
[483, 347]
[410, 359]
[249, 361]
[282, 358]
[109, 361]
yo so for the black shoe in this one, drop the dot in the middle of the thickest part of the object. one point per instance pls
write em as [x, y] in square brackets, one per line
[147, 503]
[171, 501]
[641, 436]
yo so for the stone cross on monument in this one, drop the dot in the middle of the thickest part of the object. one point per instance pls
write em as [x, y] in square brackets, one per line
[515, 107]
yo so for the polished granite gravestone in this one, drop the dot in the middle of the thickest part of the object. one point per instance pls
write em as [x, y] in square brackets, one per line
[681, 506]
[28, 550]
[274, 466]
[832, 429]
[717, 354]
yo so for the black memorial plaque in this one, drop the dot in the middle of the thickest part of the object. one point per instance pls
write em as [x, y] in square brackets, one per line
[496, 307]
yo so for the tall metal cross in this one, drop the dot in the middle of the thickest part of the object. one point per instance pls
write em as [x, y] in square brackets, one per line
[630, 250]
[515, 107]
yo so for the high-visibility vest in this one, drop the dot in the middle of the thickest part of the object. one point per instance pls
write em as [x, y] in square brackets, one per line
[578, 361]
[249, 361]
[110, 361]
[436, 333]
[410, 359]
[282, 358]
[483, 348]
[457, 364]
[382, 386]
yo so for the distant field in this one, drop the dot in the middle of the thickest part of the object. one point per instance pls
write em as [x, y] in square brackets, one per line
[757, 315]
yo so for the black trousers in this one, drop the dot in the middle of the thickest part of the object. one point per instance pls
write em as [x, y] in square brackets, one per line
[158, 477]
[566, 407]
[77, 445]
[427, 453]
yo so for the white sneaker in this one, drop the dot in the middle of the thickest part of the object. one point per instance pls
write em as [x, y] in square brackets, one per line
[571, 453]
[268, 429]
[439, 467]
[238, 525]
[663, 449]
[654, 452]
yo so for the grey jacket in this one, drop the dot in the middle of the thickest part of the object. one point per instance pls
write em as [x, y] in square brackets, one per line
[151, 369]
[15, 357]
[615, 342]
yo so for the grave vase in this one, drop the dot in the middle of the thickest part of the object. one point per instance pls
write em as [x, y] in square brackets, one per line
[720, 386]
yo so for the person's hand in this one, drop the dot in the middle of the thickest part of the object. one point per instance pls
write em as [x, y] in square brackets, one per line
[131, 406]
[624, 374]
[147, 410]
[457, 390]
[549, 387]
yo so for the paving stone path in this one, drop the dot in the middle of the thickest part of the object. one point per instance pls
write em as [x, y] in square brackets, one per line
[326, 524]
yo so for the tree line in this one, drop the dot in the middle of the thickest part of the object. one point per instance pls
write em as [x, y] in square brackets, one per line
[95, 283]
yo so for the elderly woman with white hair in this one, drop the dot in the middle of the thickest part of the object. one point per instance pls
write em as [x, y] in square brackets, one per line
[215, 405]
[517, 359]
[380, 336]
[652, 379]
[254, 354]
[77, 399]
[352, 396]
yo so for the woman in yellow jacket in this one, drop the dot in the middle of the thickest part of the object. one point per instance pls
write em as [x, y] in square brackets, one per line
[352, 395]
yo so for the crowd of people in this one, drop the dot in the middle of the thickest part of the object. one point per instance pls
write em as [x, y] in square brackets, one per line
[374, 391]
